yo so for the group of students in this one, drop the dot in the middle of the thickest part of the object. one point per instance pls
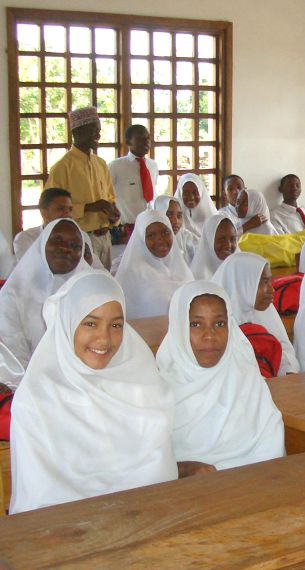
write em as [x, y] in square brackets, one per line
[95, 412]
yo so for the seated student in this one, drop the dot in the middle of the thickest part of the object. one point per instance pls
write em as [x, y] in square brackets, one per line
[197, 205]
[152, 267]
[91, 416]
[48, 263]
[225, 416]
[251, 203]
[54, 203]
[218, 241]
[7, 260]
[11, 373]
[288, 217]
[187, 241]
[298, 329]
[246, 277]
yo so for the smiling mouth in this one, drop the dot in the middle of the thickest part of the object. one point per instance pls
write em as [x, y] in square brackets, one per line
[99, 351]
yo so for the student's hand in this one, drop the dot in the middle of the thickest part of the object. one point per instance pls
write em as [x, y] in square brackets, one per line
[254, 222]
[114, 215]
[104, 206]
[189, 468]
[4, 389]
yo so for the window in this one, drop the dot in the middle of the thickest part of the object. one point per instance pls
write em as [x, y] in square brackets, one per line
[173, 76]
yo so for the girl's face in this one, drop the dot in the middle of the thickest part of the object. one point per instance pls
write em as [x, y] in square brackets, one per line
[174, 213]
[64, 248]
[232, 188]
[225, 241]
[208, 329]
[242, 204]
[190, 195]
[265, 291]
[99, 335]
[158, 239]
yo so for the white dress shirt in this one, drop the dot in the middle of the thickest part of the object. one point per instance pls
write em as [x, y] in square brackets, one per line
[286, 219]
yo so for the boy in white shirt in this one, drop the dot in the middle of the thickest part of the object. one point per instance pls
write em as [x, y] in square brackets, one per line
[288, 217]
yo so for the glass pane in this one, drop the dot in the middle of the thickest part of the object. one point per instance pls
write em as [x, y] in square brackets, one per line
[139, 100]
[185, 158]
[81, 97]
[185, 101]
[163, 130]
[184, 45]
[31, 161]
[139, 42]
[31, 219]
[141, 121]
[139, 71]
[105, 41]
[55, 69]
[54, 38]
[56, 100]
[206, 129]
[163, 157]
[53, 155]
[206, 157]
[56, 130]
[162, 101]
[185, 73]
[210, 183]
[185, 130]
[105, 70]
[162, 72]
[206, 73]
[80, 40]
[108, 130]
[29, 98]
[30, 131]
[30, 192]
[206, 46]
[28, 37]
[164, 185]
[106, 100]
[80, 70]
[29, 68]
[207, 102]
[162, 42]
[107, 153]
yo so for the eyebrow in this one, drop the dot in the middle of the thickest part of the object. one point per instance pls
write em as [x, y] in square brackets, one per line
[119, 318]
[219, 315]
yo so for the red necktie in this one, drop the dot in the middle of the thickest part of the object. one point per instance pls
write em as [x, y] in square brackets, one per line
[301, 213]
[147, 186]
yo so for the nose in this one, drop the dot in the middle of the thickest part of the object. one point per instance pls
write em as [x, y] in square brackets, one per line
[102, 337]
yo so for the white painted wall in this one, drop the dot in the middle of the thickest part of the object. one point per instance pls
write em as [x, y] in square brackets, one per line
[268, 82]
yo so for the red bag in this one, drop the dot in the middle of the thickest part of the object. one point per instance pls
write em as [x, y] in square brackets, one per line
[268, 350]
[287, 293]
[5, 415]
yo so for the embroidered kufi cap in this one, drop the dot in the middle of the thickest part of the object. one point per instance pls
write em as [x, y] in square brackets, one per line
[81, 117]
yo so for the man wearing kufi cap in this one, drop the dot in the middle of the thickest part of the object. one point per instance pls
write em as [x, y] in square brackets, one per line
[86, 176]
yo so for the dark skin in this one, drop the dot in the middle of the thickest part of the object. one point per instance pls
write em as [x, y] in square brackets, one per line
[291, 190]
[190, 195]
[139, 142]
[64, 248]
[158, 239]
[225, 241]
[242, 208]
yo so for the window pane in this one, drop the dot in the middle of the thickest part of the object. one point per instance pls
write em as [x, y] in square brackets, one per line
[80, 70]
[210, 183]
[185, 73]
[162, 72]
[162, 101]
[184, 45]
[56, 100]
[206, 157]
[207, 102]
[140, 100]
[206, 129]
[108, 130]
[81, 97]
[163, 157]
[56, 130]
[30, 131]
[29, 68]
[53, 155]
[31, 219]
[105, 70]
[29, 98]
[106, 101]
[80, 40]
[30, 161]
[206, 46]
[139, 42]
[140, 121]
[55, 38]
[105, 41]
[139, 71]
[206, 74]
[185, 130]
[30, 192]
[162, 42]
[185, 157]
[185, 101]
[55, 69]
[163, 130]
[164, 185]
[107, 153]
[28, 37]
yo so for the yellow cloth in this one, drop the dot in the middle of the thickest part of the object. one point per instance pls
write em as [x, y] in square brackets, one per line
[88, 179]
[279, 250]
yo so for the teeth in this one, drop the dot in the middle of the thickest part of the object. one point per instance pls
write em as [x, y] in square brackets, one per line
[98, 351]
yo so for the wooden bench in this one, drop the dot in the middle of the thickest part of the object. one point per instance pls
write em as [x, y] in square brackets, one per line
[288, 393]
[151, 329]
[5, 471]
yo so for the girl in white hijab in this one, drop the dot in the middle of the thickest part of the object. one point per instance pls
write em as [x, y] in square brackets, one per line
[48, 263]
[187, 241]
[250, 203]
[299, 327]
[246, 277]
[197, 205]
[218, 241]
[152, 266]
[225, 415]
[91, 416]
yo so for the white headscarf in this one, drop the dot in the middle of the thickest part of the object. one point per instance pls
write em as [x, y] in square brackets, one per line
[299, 328]
[149, 281]
[205, 260]
[239, 275]
[225, 415]
[23, 295]
[11, 371]
[194, 218]
[78, 432]
[302, 260]
[257, 205]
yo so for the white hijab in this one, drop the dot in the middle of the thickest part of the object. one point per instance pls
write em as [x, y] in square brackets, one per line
[257, 205]
[78, 432]
[194, 218]
[239, 275]
[299, 327]
[149, 281]
[23, 295]
[302, 260]
[225, 415]
[205, 260]
[11, 371]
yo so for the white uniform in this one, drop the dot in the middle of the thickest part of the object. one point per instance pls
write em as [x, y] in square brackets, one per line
[286, 219]
[24, 240]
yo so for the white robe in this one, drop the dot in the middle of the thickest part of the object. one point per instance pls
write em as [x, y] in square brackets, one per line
[194, 218]
[11, 371]
[286, 219]
[7, 260]
[257, 205]
[299, 329]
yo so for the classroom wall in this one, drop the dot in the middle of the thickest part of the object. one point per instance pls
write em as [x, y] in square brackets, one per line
[268, 82]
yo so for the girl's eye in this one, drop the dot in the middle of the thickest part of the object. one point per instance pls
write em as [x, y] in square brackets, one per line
[89, 324]
[117, 325]
[221, 324]
[194, 324]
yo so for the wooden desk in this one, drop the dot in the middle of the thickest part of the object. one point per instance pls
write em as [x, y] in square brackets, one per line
[288, 393]
[247, 518]
[279, 271]
[151, 329]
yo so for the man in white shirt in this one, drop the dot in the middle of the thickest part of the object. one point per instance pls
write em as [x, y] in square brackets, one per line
[288, 217]
[126, 176]
[54, 203]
